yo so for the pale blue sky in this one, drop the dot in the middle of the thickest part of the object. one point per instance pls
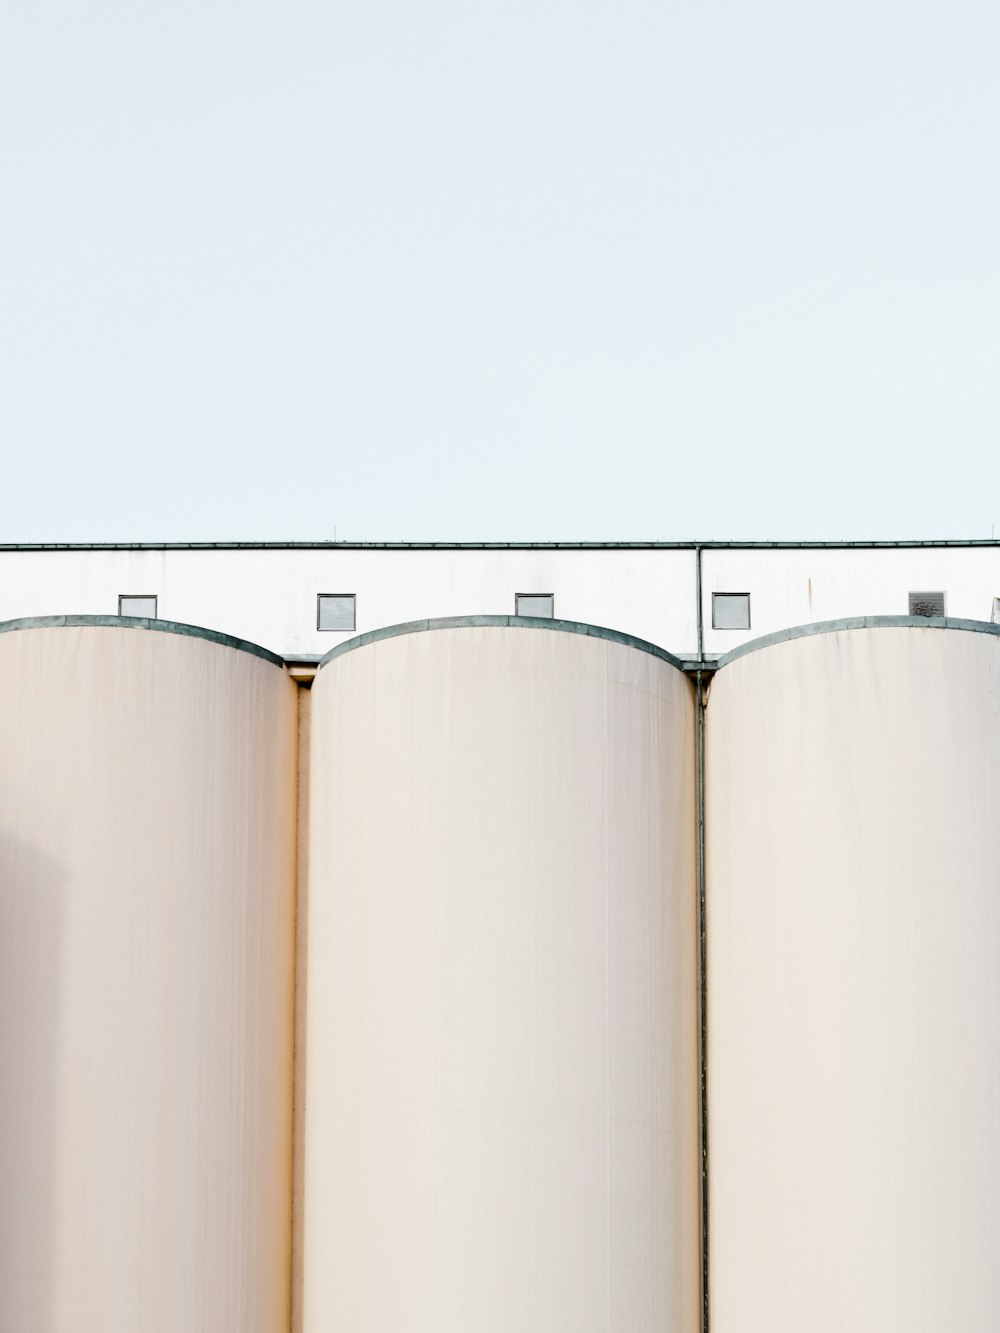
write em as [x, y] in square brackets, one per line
[541, 270]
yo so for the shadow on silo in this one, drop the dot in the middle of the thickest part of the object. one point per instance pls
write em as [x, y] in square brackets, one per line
[32, 903]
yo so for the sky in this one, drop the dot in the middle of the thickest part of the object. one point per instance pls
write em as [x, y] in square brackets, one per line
[507, 270]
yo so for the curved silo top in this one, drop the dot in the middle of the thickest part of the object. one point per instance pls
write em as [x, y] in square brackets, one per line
[140, 622]
[501, 622]
[856, 622]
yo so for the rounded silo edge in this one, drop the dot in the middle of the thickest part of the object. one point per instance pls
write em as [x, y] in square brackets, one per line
[501, 622]
[139, 622]
[857, 622]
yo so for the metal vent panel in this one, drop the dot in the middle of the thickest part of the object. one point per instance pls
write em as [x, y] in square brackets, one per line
[927, 604]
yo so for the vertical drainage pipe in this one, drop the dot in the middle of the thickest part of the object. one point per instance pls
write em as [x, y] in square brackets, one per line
[702, 949]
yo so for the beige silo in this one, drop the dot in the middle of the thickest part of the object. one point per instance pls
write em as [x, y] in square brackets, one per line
[853, 921]
[146, 920]
[502, 1068]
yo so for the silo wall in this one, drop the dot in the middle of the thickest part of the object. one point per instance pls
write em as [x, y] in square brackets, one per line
[502, 1065]
[853, 924]
[147, 793]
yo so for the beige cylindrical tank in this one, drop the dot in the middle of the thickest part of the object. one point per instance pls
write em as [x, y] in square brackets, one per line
[502, 1066]
[853, 920]
[147, 789]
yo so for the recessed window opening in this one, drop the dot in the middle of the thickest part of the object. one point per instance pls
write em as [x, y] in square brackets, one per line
[336, 611]
[730, 610]
[542, 605]
[927, 604]
[138, 604]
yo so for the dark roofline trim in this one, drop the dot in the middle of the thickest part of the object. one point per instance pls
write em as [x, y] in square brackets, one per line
[856, 622]
[141, 622]
[501, 546]
[500, 622]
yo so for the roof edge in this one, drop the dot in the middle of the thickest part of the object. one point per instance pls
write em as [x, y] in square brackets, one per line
[691, 545]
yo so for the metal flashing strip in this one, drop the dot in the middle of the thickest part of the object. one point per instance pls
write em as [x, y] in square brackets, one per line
[138, 622]
[945, 543]
[500, 622]
[857, 622]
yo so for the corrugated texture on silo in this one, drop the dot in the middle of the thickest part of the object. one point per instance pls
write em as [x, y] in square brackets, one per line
[502, 1087]
[147, 789]
[853, 917]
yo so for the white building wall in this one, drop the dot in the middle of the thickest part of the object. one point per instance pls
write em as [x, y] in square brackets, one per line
[800, 587]
[268, 596]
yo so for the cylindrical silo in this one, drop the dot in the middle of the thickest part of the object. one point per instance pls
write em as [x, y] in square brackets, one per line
[147, 858]
[502, 1053]
[853, 922]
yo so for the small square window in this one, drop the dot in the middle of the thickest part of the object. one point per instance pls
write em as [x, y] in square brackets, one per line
[335, 611]
[538, 604]
[730, 610]
[927, 604]
[137, 604]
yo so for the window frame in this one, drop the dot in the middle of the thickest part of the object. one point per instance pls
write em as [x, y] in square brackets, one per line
[153, 597]
[732, 629]
[550, 595]
[346, 596]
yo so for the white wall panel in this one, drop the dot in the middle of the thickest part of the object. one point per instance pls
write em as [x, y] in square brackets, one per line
[269, 596]
[502, 1085]
[800, 587]
[147, 787]
[854, 984]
